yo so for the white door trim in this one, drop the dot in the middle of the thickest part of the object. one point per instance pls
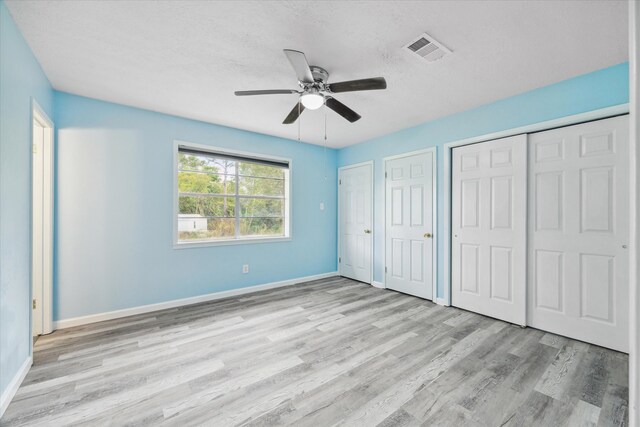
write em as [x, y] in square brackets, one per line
[434, 202]
[43, 119]
[536, 127]
[373, 231]
[634, 254]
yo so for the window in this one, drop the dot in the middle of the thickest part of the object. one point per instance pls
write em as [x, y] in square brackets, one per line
[230, 197]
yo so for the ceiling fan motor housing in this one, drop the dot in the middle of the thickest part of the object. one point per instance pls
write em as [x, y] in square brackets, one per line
[320, 75]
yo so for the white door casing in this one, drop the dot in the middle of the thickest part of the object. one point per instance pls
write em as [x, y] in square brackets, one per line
[356, 221]
[42, 222]
[488, 228]
[410, 224]
[578, 232]
[37, 226]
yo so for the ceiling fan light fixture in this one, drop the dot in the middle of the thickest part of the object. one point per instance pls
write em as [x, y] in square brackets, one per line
[312, 100]
[314, 91]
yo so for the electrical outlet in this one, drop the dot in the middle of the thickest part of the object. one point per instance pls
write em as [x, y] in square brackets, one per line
[245, 268]
[321, 206]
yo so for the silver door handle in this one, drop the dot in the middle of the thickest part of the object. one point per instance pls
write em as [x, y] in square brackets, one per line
[367, 231]
[428, 235]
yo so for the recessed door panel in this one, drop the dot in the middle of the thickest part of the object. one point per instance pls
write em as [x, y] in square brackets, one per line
[577, 243]
[470, 202]
[501, 157]
[469, 161]
[501, 273]
[488, 256]
[597, 287]
[596, 199]
[417, 205]
[597, 144]
[396, 206]
[470, 271]
[501, 202]
[360, 207]
[549, 275]
[549, 150]
[549, 201]
[397, 258]
[417, 170]
[356, 222]
[417, 263]
[409, 227]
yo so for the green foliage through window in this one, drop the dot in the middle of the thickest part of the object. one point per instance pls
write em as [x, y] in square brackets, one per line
[220, 198]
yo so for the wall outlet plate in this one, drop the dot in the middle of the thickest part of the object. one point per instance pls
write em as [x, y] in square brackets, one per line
[245, 268]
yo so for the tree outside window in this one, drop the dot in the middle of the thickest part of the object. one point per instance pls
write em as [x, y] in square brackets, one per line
[221, 198]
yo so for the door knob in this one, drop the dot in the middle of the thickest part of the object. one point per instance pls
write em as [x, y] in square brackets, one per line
[428, 235]
[367, 231]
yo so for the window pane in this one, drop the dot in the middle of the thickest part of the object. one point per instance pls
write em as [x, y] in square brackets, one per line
[205, 163]
[207, 206]
[255, 169]
[202, 228]
[197, 182]
[260, 187]
[261, 227]
[261, 207]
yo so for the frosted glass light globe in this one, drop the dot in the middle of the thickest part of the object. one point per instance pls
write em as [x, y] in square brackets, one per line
[312, 101]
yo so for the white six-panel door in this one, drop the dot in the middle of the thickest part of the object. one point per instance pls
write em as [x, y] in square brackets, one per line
[356, 221]
[578, 232]
[488, 224]
[409, 229]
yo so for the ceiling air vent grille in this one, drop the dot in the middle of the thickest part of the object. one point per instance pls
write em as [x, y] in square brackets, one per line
[427, 48]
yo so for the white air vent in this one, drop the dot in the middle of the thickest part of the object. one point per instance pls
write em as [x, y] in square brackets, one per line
[427, 48]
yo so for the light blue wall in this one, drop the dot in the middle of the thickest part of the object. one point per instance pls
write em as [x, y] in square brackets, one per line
[115, 211]
[113, 245]
[21, 79]
[588, 92]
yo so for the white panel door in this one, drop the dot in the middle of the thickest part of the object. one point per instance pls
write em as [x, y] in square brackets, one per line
[488, 226]
[356, 220]
[578, 232]
[409, 242]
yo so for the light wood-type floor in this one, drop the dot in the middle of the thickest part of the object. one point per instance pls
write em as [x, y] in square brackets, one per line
[329, 352]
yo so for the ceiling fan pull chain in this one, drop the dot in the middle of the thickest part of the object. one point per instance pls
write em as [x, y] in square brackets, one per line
[299, 120]
[325, 123]
[325, 141]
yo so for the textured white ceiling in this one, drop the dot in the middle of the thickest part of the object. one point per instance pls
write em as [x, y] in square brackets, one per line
[187, 57]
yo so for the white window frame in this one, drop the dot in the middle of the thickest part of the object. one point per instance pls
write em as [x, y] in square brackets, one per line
[177, 244]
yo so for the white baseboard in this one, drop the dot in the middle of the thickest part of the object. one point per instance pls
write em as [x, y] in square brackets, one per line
[99, 317]
[13, 386]
[377, 284]
[441, 301]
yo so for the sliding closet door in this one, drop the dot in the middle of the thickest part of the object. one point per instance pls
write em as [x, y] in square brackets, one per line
[579, 231]
[488, 253]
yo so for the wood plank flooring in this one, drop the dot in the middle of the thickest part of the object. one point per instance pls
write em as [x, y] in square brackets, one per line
[324, 353]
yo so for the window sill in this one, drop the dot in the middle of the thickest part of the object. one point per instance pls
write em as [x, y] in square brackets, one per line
[208, 243]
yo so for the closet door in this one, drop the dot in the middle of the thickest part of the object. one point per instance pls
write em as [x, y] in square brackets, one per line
[488, 242]
[355, 214]
[578, 232]
[409, 242]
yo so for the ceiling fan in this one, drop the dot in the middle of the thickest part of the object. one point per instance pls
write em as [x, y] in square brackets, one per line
[315, 91]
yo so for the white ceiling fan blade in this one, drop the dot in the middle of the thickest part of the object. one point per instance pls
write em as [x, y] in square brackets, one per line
[300, 65]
